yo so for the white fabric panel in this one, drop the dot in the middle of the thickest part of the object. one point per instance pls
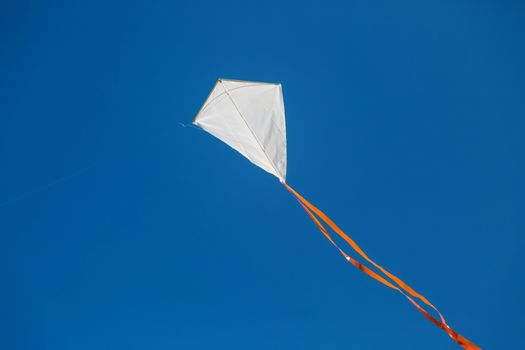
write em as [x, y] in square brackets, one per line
[249, 117]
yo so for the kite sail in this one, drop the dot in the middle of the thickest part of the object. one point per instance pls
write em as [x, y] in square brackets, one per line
[249, 117]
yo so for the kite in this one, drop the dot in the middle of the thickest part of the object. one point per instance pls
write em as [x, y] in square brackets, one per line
[249, 117]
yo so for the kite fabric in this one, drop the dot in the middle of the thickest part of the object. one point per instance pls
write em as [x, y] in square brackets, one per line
[249, 117]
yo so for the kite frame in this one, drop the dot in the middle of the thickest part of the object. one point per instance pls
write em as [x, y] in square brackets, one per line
[220, 80]
[226, 92]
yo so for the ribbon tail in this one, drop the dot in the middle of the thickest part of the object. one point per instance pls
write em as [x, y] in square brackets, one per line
[400, 286]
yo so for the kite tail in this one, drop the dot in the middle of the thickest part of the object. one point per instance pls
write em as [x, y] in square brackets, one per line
[397, 284]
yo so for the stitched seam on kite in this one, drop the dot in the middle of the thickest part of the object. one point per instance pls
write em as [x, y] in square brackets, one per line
[249, 81]
[216, 97]
[255, 137]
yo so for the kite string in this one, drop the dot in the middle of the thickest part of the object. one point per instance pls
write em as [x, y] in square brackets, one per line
[189, 126]
[48, 185]
[458, 338]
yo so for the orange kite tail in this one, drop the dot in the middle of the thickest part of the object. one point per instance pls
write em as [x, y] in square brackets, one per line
[396, 284]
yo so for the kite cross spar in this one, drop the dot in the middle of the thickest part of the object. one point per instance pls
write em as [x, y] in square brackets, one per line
[249, 117]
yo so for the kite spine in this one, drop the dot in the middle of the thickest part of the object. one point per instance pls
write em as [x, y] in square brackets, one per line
[253, 133]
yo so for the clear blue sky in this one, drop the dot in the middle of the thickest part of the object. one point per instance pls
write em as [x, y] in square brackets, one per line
[120, 229]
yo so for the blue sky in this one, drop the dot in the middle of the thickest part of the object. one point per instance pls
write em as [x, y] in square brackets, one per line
[120, 229]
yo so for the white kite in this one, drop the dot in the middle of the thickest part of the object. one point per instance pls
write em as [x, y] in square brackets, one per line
[249, 117]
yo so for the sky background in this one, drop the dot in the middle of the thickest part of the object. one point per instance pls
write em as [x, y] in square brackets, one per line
[121, 229]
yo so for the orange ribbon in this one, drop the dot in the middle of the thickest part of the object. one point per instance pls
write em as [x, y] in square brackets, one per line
[401, 287]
